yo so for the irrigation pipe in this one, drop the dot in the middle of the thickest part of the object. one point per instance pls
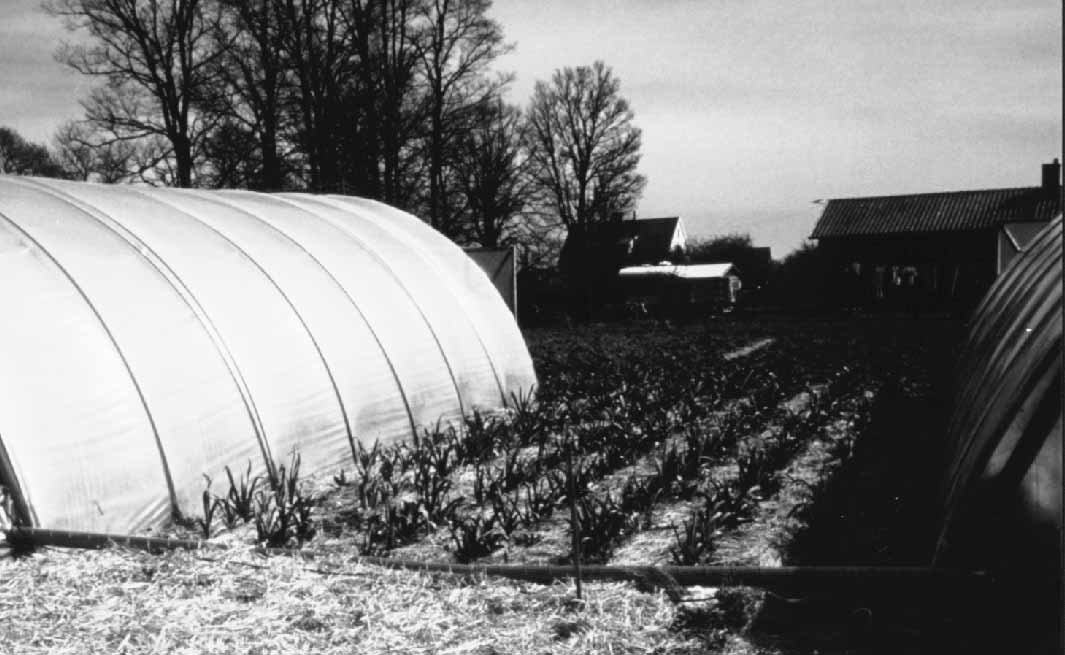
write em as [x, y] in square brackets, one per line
[793, 579]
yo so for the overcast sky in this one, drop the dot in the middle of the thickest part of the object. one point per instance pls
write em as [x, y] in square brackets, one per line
[750, 109]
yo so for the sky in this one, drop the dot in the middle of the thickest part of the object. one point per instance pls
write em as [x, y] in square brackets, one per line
[751, 110]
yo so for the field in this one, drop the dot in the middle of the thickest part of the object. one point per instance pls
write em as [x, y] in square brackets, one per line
[762, 442]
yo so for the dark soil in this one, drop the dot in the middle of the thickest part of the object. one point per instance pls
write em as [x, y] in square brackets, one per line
[881, 509]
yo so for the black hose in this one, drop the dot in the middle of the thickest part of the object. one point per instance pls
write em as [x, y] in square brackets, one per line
[788, 579]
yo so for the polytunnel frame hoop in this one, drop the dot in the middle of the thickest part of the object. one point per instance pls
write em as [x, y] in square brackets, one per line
[369, 326]
[175, 281]
[348, 428]
[1023, 454]
[22, 507]
[406, 291]
[288, 301]
[960, 484]
[1040, 418]
[114, 343]
[426, 257]
[1002, 355]
[998, 320]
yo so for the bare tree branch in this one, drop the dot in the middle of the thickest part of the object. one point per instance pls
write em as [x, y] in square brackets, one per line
[584, 149]
[155, 59]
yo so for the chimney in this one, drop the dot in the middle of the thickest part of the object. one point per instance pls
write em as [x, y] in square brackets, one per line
[1051, 176]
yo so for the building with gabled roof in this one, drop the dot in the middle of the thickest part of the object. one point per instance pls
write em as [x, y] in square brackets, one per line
[629, 243]
[682, 287]
[932, 250]
[593, 253]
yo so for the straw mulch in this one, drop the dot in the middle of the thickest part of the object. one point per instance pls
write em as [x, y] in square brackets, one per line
[234, 601]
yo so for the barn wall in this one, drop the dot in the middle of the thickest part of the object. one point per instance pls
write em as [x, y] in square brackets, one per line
[954, 270]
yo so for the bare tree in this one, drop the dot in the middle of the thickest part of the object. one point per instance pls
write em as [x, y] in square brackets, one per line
[156, 60]
[234, 157]
[85, 154]
[352, 96]
[353, 66]
[539, 240]
[313, 49]
[396, 57]
[460, 42]
[490, 171]
[252, 75]
[21, 157]
[584, 149]
[361, 99]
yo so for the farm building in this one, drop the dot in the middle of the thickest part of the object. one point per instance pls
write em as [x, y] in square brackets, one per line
[154, 336]
[623, 243]
[665, 286]
[931, 251]
[593, 254]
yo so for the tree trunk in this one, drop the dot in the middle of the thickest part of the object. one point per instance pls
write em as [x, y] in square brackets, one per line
[183, 160]
[436, 156]
[271, 174]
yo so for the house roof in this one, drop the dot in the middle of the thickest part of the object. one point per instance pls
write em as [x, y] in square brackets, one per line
[692, 272]
[645, 240]
[957, 211]
[703, 271]
[651, 236]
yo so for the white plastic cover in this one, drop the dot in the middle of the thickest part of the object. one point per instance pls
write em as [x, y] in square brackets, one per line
[689, 272]
[154, 336]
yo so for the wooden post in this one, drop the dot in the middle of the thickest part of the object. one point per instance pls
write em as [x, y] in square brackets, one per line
[575, 522]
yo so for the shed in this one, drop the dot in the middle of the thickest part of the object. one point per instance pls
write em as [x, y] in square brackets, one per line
[624, 243]
[711, 285]
[593, 253]
[153, 336]
[931, 250]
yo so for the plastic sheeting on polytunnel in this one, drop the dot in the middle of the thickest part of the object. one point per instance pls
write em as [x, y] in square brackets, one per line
[1003, 489]
[153, 336]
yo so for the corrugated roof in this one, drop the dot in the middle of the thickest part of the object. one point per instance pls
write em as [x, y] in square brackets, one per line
[935, 212]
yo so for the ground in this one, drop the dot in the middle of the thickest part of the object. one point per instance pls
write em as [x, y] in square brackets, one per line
[763, 441]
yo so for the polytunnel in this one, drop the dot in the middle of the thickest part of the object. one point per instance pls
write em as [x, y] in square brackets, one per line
[1002, 500]
[154, 336]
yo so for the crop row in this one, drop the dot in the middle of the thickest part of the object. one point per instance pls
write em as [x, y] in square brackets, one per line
[759, 468]
[603, 404]
[541, 456]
